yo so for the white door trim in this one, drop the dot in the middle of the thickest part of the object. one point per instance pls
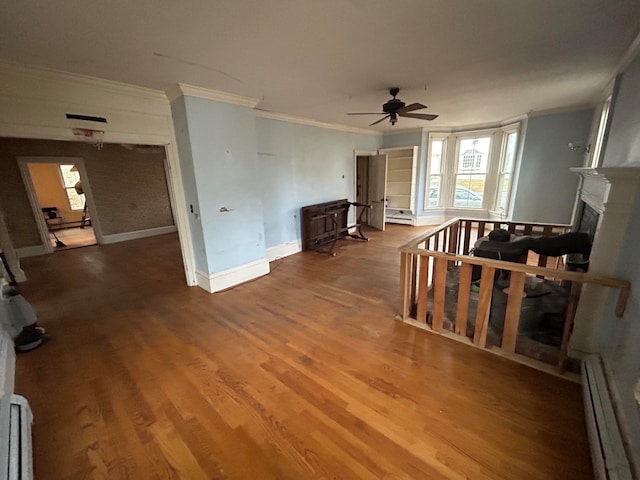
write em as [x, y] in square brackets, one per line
[33, 198]
[138, 116]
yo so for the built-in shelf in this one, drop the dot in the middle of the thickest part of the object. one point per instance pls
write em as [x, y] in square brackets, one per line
[401, 167]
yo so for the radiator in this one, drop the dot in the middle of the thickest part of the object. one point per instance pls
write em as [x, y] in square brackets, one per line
[608, 455]
[20, 447]
[16, 452]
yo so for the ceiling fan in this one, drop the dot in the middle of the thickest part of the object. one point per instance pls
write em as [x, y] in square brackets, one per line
[395, 108]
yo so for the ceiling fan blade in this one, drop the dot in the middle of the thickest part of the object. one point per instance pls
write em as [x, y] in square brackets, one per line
[378, 121]
[420, 116]
[411, 108]
[368, 113]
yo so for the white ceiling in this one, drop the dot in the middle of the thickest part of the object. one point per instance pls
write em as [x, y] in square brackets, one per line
[472, 62]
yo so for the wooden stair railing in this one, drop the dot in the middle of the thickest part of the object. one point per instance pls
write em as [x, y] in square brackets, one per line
[423, 269]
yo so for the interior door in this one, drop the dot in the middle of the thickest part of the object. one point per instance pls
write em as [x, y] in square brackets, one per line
[377, 190]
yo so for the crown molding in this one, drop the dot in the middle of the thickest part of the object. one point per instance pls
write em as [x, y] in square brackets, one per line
[314, 123]
[184, 90]
[110, 85]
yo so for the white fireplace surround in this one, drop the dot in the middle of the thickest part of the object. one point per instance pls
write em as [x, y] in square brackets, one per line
[611, 192]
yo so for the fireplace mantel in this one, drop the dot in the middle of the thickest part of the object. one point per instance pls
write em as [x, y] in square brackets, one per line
[611, 187]
[611, 192]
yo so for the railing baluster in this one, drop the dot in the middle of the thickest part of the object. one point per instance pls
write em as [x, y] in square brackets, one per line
[405, 281]
[480, 229]
[512, 228]
[414, 279]
[437, 241]
[572, 306]
[467, 237]
[423, 289]
[439, 290]
[528, 229]
[512, 315]
[484, 306]
[464, 289]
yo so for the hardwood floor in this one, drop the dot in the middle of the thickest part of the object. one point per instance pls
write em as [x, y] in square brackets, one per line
[300, 374]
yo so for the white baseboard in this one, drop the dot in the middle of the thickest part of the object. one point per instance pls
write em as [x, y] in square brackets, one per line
[284, 250]
[233, 276]
[429, 220]
[608, 453]
[151, 232]
[32, 251]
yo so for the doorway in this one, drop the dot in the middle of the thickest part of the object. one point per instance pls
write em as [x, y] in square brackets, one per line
[58, 191]
[370, 187]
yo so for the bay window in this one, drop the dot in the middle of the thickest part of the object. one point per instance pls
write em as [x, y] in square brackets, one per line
[475, 173]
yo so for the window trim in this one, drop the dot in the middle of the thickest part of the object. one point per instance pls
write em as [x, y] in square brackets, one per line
[506, 131]
[603, 127]
[493, 172]
[435, 136]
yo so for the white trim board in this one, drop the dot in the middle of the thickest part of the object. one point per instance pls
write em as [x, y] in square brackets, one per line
[151, 232]
[284, 250]
[314, 123]
[182, 89]
[233, 276]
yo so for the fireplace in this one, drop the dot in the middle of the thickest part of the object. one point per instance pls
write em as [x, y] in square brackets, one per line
[603, 209]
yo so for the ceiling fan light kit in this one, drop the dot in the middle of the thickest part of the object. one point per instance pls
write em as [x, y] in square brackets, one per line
[395, 108]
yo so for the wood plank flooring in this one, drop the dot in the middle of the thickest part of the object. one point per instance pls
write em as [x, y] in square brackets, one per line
[301, 374]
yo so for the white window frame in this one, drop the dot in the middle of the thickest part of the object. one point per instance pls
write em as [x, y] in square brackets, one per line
[488, 185]
[66, 189]
[603, 127]
[434, 137]
[494, 171]
[506, 131]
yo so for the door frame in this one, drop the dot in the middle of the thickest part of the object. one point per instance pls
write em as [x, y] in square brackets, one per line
[356, 154]
[383, 201]
[24, 161]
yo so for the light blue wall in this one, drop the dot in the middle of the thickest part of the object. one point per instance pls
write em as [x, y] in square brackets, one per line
[623, 146]
[621, 344]
[222, 139]
[407, 139]
[546, 188]
[179, 114]
[301, 165]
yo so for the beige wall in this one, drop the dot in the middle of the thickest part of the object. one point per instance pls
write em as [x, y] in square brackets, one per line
[50, 192]
[129, 188]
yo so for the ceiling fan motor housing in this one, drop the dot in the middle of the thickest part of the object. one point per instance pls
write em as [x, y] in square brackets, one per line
[393, 105]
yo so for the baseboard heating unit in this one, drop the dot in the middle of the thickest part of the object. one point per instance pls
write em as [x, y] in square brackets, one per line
[20, 447]
[608, 454]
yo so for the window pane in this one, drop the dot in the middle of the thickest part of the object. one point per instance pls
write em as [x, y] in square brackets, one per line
[69, 178]
[510, 152]
[474, 155]
[75, 201]
[434, 191]
[436, 157]
[503, 191]
[469, 190]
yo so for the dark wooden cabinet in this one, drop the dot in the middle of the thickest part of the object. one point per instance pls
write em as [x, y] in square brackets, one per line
[323, 224]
